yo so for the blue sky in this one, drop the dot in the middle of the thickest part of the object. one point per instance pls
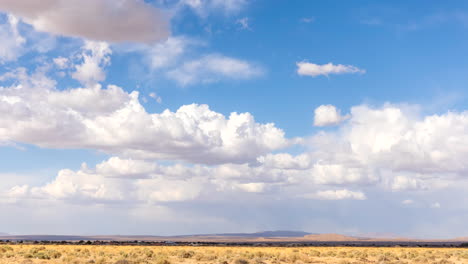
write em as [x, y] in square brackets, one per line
[197, 116]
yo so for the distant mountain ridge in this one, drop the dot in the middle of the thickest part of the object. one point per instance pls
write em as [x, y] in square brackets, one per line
[258, 237]
[277, 233]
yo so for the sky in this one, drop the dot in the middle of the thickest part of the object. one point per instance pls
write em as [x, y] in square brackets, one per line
[171, 117]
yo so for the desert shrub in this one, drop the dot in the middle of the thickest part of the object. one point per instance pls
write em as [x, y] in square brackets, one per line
[4, 249]
[148, 253]
[122, 261]
[186, 254]
[442, 261]
[241, 261]
[163, 261]
[41, 255]
[344, 262]
[54, 254]
[35, 250]
[259, 261]
[101, 261]
[9, 254]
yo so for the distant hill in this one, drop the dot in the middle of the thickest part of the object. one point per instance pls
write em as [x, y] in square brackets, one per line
[278, 233]
[259, 237]
[4, 234]
[331, 237]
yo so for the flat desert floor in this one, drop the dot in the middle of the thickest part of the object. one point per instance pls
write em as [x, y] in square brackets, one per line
[29, 254]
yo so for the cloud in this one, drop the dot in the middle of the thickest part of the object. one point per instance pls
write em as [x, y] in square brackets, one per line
[134, 181]
[204, 7]
[169, 52]
[314, 70]
[61, 62]
[95, 56]
[212, 68]
[338, 195]
[407, 202]
[243, 23]
[177, 59]
[34, 111]
[307, 20]
[100, 20]
[328, 115]
[114, 180]
[406, 183]
[394, 146]
[388, 148]
[156, 97]
[285, 161]
[11, 46]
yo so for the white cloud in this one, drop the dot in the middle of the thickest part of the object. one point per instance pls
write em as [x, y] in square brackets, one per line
[156, 97]
[343, 194]
[328, 115]
[213, 68]
[393, 145]
[389, 147]
[169, 52]
[178, 59]
[61, 62]
[308, 20]
[406, 183]
[124, 168]
[407, 202]
[243, 23]
[133, 181]
[285, 161]
[95, 56]
[253, 187]
[101, 20]
[314, 70]
[204, 7]
[336, 173]
[435, 205]
[111, 120]
[11, 46]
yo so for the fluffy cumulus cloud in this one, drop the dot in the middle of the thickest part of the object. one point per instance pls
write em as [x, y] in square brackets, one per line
[34, 111]
[314, 70]
[396, 146]
[212, 68]
[95, 56]
[101, 20]
[364, 153]
[392, 147]
[328, 115]
[136, 181]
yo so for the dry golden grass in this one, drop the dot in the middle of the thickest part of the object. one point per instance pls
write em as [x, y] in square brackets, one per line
[29, 254]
